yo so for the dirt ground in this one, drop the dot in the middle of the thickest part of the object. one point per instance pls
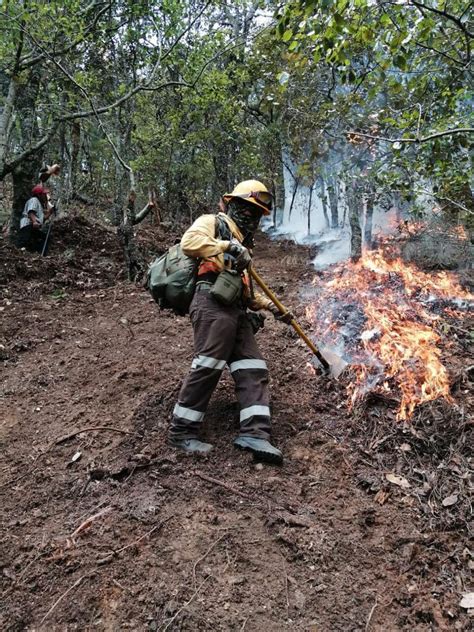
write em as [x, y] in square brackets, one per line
[105, 527]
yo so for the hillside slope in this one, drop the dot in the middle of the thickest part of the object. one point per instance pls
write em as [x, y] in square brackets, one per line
[111, 529]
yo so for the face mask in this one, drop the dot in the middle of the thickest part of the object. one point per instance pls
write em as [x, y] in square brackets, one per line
[246, 218]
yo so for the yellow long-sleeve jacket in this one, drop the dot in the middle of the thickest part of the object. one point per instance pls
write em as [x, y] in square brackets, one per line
[200, 241]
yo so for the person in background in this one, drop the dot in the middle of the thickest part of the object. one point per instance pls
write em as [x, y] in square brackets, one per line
[37, 210]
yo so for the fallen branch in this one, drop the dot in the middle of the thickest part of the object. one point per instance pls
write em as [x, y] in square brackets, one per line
[108, 557]
[57, 442]
[216, 481]
[184, 606]
[86, 524]
[78, 432]
[58, 601]
[203, 557]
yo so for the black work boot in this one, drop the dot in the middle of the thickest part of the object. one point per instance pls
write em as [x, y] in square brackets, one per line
[261, 449]
[190, 445]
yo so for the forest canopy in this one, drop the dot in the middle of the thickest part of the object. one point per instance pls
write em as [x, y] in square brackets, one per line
[188, 98]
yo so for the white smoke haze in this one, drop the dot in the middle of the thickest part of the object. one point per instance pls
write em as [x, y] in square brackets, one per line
[294, 222]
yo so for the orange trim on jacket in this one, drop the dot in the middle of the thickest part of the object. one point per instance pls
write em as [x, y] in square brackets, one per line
[200, 241]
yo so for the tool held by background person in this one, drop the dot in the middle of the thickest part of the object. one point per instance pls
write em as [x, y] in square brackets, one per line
[335, 365]
[53, 213]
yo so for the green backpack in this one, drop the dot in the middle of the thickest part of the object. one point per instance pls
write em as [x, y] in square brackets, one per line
[172, 277]
[172, 280]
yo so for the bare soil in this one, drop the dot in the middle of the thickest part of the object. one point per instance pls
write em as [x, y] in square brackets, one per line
[106, 527]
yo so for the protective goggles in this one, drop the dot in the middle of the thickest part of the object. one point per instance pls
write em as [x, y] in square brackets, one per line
[263, 197]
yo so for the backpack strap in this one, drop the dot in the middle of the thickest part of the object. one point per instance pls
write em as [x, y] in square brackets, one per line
[223, 232]
[222, 229]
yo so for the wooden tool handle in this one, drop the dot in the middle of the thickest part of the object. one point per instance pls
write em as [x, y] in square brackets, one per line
[293, 322]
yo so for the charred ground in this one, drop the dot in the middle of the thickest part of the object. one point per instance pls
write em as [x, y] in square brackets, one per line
[324, 543]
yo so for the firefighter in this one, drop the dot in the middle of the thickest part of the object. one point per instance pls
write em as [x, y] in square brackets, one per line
[36, 210]
[223, 333]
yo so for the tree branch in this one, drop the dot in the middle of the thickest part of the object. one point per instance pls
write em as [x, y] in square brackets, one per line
[139, 217]
[10, 166]
[436, 196]
[452, 18]
[87, 31]
[423, 139]
[186, 30]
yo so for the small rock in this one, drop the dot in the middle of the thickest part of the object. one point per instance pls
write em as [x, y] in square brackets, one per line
[259, 467]
[300, 600]
[450, 500]
[467, 601]
[76, 457]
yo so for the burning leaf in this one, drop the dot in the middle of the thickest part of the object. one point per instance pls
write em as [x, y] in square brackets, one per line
[396, 479]
[450, 500]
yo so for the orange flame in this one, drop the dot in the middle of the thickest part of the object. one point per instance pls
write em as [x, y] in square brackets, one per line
[398, 347]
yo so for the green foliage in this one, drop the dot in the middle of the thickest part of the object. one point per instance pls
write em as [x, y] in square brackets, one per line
[229, 91]
[390, 70]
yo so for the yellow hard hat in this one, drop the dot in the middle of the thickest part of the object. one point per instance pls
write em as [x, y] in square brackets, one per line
[254, 192]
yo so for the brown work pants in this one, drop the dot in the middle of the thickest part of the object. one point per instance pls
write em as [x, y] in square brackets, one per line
[222, 335]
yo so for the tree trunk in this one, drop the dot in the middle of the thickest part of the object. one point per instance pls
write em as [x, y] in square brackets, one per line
[332, 191]
[274, 193]
[6, 117]
[309, 208]
[24, 178]
[25, 175]
[293, 197]
[369, 212]
[324, 201]
[355, 212]
[75, 146]
[133, 259]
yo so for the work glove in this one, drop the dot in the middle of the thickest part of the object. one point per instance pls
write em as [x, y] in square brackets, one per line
[286, 318]
[256, 320]
[241, 255]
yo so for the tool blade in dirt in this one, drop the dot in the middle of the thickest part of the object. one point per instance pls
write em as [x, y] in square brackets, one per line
[336, 363]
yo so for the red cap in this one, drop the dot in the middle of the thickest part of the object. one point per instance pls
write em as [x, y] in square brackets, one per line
[39, 190]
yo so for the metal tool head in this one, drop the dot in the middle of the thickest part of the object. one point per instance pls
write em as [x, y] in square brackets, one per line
[336, 363]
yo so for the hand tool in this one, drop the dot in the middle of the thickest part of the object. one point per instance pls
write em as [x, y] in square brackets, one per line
[330, 362]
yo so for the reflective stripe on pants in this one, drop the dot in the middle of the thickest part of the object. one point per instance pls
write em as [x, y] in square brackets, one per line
[223, 335]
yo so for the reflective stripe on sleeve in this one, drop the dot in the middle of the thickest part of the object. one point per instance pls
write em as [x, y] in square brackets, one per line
[208, 363]
[187, 413]
[247, 364]
[245, 413]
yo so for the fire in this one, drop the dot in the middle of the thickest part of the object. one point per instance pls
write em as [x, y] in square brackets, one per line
[381, 312]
